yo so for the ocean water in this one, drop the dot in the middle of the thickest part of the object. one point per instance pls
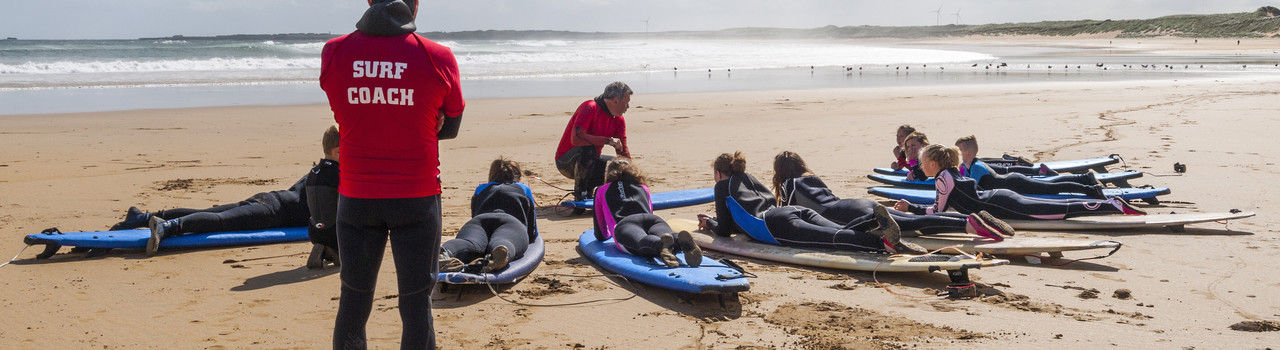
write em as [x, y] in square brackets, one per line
[98, 75]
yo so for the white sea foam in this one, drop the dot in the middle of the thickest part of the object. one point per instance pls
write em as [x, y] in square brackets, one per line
[178, 61]
[120, 66]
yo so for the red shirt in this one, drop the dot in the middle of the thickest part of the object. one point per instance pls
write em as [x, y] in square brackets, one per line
[386, 93]
[594, 121]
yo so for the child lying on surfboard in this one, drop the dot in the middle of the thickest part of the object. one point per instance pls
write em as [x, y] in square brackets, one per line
[792, 226]
[900, 150]
[285, 208]
[502, 224]
[623, 211]
[990, 179]
[965, 196]
[914, 143]
[795, 184]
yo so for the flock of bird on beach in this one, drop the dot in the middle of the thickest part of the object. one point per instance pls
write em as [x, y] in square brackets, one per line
[1005, 65]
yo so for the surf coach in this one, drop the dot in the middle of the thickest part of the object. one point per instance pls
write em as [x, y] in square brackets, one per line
[394, 94]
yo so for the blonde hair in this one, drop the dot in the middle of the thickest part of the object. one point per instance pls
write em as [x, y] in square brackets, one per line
[330, 139]
[967, 141]
[730, 164]
[624, 169]
[504, 170]
[787, 165]
[946, 157]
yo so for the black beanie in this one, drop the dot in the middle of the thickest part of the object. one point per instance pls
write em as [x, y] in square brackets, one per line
[388, 18]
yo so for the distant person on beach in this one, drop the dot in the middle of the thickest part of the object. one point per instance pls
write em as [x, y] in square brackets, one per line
[795, 184]
[395, 95]
[963, 194]
[900, 150]
[988, 179]
[285, 208]
[502, 224]
[624, 212]
[792, 226]
[596, 123]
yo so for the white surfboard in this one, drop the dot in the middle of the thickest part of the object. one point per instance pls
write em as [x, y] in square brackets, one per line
[1108, 222]
[1011, 245]
[743, 245]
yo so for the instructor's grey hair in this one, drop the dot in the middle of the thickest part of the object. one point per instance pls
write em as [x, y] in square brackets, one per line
[615, 90]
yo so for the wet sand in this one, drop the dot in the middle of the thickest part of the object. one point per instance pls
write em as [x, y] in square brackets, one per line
[1184, 290]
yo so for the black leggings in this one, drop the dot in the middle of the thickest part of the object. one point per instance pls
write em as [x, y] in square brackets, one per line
[858, 213]
[1014, 169]
[639, 234]
[364, 226]
[1028, 185]
[585, 168]
[245, 215]
[795, 226]
[487, 231]
[1007, 204]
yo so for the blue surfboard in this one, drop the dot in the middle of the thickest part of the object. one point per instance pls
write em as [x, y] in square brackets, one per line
[920, 196]
[661, 200]
[515, 270]
[712, 277]
[137, 239]
[1062, 166]
[901, 180]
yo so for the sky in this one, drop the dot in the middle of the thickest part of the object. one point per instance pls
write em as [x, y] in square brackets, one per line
[130, 19]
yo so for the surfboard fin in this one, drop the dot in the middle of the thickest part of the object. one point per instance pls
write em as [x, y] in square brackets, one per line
[50, 246]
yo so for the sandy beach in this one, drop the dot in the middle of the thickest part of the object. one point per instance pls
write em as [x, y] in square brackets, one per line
[79, 172]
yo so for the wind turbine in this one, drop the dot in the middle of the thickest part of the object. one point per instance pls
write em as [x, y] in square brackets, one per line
[646, 24]
[957, 14]
[938, 14]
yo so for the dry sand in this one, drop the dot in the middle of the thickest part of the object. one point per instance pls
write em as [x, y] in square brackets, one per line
[1186, 290]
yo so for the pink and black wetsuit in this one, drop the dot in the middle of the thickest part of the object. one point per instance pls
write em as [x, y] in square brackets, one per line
[623, 211]
[964, 195]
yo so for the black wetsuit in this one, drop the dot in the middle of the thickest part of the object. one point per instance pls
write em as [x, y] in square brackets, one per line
[624, 211]
[989, 180]
[264, 210]
[322, 202]
[810, 192]
[915, 173]
[502, 215]
[791, 225]
[964, 195]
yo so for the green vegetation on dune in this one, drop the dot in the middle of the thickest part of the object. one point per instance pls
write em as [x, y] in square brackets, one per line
[1265, 22]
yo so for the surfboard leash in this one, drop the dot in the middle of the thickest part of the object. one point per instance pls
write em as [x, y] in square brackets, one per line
[632, 290]
[1068, 262]
[978, 257]
[15, 256]
[556, 208]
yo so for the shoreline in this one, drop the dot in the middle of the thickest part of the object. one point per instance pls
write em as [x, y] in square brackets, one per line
[1078, 58]
[79, 171]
